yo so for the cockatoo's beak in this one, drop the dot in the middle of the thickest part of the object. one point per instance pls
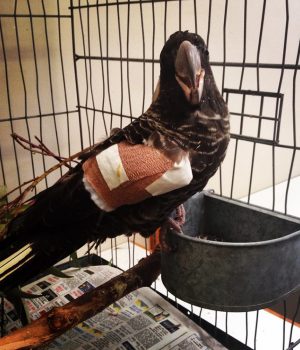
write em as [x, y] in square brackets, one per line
[189, 74]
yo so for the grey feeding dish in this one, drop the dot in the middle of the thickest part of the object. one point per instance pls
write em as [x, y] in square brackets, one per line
[254, 263]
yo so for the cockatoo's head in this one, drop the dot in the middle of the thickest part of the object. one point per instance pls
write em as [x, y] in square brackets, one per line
[184, 58]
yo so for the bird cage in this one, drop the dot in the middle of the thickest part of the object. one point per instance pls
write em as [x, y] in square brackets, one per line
[72, 71]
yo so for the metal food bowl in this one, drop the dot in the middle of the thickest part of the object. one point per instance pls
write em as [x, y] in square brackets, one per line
[252, 261]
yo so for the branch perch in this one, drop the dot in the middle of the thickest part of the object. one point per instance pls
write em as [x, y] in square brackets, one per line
[60, 319]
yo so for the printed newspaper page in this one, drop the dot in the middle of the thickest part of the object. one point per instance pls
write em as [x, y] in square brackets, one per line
[141, 320]
[9, 318]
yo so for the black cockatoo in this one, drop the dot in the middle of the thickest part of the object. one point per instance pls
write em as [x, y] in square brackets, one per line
[133, 180]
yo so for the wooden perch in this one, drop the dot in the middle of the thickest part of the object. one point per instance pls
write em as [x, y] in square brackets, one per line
[60, 319]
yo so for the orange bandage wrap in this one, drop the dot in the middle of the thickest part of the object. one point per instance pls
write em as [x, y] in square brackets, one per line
[127, 174]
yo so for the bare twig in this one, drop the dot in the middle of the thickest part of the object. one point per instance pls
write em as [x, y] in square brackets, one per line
[60, 319]
[17, 188]
[41, 148]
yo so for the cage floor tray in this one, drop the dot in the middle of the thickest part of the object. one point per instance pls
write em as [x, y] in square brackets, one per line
[232, 256]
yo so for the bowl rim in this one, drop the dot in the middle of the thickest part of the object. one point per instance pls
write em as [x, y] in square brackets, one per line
[286, 237]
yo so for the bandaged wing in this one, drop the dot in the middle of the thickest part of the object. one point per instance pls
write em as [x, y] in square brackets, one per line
[127, 174]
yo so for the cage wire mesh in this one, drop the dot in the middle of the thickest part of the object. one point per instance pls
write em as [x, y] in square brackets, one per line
[71, 71]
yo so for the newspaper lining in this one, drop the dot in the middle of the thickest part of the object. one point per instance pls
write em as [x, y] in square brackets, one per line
[139, 321]
[10, 317]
